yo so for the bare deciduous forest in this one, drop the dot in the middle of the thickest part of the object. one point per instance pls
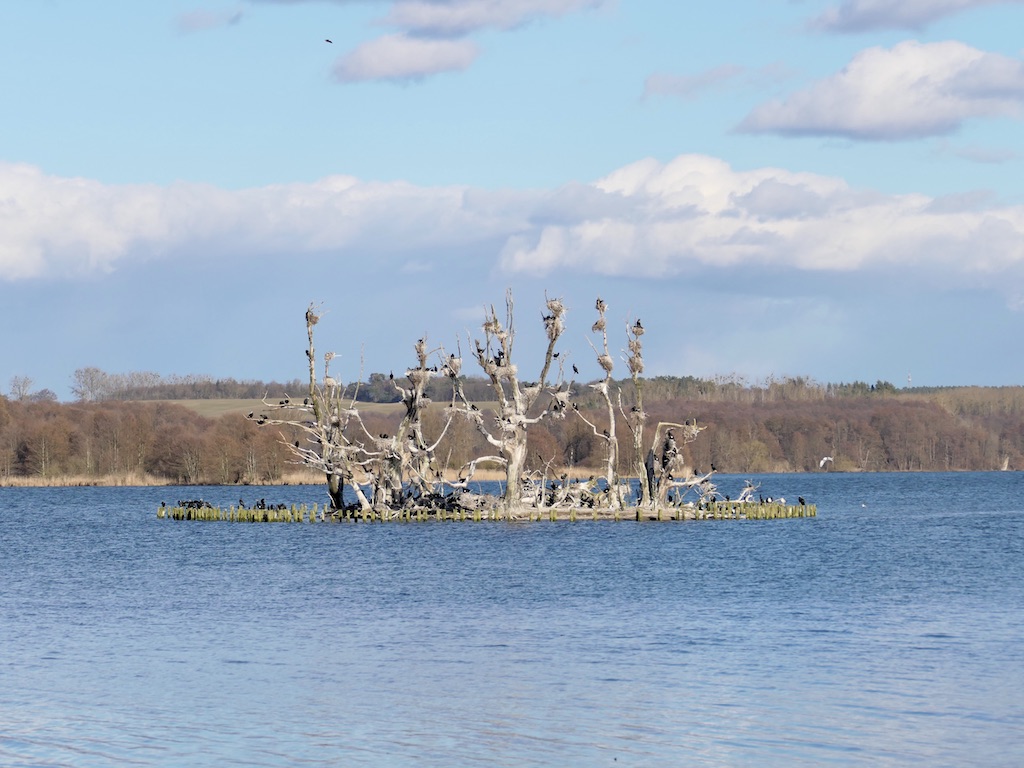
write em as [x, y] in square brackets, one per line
[134, 433]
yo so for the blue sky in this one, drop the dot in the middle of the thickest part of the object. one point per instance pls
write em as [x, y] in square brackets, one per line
[826, 188]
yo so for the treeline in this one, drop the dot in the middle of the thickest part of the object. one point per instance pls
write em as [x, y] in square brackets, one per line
[784, 426]
[134, 442]
[95, 385]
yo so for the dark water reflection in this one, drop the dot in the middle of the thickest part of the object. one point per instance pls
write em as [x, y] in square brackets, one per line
[885, 631]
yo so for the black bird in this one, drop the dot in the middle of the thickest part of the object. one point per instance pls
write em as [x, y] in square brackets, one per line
[575, 369]
[328, 41]
[555, 354]
[250, 414]
[801, 500]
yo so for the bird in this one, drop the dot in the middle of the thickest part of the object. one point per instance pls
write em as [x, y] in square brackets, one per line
[327, 40]
[575, 369]
[823, 460]
[801, 500]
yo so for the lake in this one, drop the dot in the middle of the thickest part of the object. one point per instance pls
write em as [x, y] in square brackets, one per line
[885, 631]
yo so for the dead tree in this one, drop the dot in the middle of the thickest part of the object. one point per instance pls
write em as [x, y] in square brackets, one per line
[515, 399]
[642, 467]
[607, 436]
[399, 465]
[670, 470]
[322, 418]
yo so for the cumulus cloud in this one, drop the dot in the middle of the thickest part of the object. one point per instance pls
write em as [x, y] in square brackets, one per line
[52, 226]
[401, 57]
[646, 220]
[865, 15]
[697, 212]
[909, 91]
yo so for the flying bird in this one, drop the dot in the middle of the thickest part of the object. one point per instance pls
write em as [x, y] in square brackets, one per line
[823, 460]
[327, 40]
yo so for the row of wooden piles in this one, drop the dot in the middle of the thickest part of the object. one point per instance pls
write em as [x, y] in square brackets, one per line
[306, 514]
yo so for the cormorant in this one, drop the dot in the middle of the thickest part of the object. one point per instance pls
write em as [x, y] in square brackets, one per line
[575, 369]
[801, 500]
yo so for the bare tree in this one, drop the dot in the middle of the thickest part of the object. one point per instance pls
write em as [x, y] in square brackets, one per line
[400, 464]
[322, 419]
[337, 442]
[91, 384]
[21, 387]
[642, 467]
[603, 387]
[515, 399]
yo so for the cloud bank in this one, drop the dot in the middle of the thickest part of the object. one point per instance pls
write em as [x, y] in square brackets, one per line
[909, 91]
[649, 219]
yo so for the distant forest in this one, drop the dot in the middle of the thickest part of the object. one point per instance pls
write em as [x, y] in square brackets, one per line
[122, 427]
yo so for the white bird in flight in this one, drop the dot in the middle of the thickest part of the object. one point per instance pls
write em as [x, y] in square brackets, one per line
[823, 460]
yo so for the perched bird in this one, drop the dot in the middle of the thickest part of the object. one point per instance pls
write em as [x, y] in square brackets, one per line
[801, 500]
[575, 369]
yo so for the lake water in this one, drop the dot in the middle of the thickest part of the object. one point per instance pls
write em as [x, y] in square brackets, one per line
[888, 630]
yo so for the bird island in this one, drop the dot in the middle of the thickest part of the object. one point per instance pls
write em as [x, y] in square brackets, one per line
[377, 476]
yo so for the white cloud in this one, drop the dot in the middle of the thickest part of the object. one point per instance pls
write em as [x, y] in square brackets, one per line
[461, 17]
[645, 220]
[697, 212]
[864, 15]
[401, 57]
[430, 37]
[909, 91]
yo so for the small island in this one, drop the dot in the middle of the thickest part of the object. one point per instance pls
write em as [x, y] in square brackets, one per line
[401, 477]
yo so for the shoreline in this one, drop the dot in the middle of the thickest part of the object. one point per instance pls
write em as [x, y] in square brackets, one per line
[312, 478]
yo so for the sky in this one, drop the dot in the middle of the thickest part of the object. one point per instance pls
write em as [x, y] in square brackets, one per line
[830, 189]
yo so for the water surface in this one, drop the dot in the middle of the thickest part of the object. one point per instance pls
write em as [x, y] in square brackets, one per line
[887, 630]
